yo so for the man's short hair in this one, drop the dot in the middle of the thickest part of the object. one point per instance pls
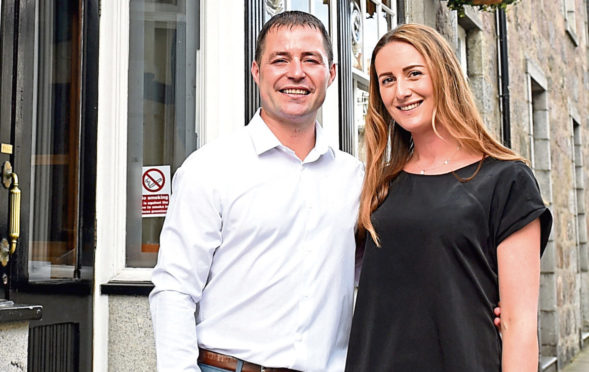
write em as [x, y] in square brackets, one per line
[293, 18]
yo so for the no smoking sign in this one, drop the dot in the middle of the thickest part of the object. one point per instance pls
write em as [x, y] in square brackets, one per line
[155, 183]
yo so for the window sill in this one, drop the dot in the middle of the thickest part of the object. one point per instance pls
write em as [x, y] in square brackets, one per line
[572, 34]
[20, 313]
[126, 288]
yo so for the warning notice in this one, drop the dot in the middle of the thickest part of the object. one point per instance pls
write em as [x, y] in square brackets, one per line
[156, 191]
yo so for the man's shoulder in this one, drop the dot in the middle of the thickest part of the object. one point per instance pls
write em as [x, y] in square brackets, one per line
[347, 160]
[220, 150]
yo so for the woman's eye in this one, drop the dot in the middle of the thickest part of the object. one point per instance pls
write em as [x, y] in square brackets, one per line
[415, 73]
[386, 81]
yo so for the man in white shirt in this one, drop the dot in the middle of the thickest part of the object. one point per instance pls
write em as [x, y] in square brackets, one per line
[259, 234]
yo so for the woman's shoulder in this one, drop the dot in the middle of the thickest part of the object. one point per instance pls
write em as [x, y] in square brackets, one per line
[505, 168]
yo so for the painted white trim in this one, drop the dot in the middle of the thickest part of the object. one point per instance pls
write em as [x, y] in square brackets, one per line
[224, 75]
[111, 164]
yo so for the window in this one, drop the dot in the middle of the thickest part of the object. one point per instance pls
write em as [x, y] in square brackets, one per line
[571, 23]
[370, 20]
[55, 250]
[163, 43]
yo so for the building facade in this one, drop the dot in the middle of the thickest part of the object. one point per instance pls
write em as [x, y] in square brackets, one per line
[101, 101]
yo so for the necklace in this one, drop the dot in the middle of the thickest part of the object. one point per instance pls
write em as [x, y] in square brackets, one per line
[444, 162]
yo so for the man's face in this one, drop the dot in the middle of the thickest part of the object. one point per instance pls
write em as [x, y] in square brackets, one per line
[293, 75]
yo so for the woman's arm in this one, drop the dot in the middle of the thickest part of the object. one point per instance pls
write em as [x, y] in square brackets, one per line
[518, 258]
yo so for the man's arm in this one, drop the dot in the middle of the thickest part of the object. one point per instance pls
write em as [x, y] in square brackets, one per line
[190, 235]
[172, 315]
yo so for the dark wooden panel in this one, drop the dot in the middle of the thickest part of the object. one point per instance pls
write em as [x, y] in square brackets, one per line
[54, 347]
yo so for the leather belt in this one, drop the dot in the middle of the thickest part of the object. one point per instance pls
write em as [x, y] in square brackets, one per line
[230, 363]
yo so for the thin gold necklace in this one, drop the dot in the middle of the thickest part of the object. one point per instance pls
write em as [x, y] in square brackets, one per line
[444, 162]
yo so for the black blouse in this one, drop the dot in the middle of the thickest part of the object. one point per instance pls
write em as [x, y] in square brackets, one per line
[426, 296]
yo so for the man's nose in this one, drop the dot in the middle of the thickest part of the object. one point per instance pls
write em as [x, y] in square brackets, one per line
[295, 69]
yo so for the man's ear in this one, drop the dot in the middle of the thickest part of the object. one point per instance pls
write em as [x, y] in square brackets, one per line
[331, 74]
[255, 70]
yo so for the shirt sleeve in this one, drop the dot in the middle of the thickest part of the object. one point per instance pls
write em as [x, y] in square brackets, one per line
[518, 202]
[190, 235]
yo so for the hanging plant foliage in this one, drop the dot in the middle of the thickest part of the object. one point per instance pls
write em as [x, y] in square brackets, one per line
[485, 5]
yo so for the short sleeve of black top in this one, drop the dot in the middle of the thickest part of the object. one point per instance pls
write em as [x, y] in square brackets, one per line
[426, 296]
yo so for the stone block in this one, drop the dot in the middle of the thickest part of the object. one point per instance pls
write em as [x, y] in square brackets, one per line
[541, 123]
[542, 154]
[547, 292]
[548, 263]
[548, 328]
[131, 344]
[14, 342]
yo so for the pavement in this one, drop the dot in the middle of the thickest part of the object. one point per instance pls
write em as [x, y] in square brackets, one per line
[580, 363]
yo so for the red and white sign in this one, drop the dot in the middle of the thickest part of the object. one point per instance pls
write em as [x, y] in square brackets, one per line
[155, 183]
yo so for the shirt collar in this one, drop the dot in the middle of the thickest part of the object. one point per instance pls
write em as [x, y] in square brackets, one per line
[264, 140]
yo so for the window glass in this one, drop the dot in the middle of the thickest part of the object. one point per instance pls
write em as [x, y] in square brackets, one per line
[302, 5]
[369, 21]
[161, 115]
[55, 146]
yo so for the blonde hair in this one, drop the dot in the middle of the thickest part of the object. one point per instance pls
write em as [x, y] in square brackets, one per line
[389, 147]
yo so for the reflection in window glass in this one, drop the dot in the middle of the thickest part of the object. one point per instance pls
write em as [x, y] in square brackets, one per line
[360, 109]
[161, 112]
[273, 7]
[55, 145]
[371, 34]
[357, 35]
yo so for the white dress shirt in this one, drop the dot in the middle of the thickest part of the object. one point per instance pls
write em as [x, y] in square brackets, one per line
[264, 244]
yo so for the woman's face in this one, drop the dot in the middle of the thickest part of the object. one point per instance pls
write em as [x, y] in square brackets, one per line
[405, 86]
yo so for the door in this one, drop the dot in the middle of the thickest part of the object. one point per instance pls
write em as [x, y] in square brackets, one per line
[48, 138]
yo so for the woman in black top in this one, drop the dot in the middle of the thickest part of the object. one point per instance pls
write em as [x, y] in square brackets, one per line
[454, 221]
